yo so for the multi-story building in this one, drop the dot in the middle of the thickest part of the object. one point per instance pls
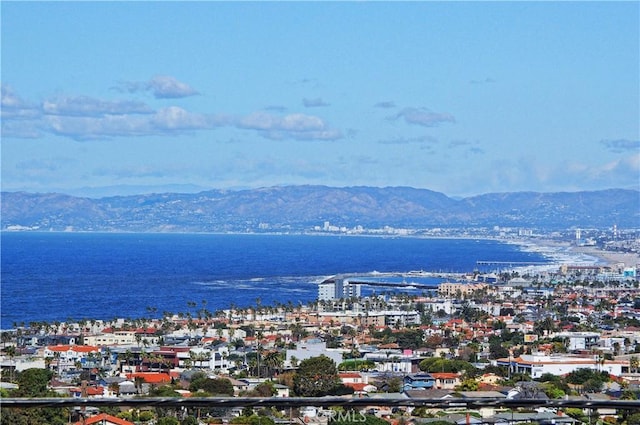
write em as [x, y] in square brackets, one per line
[337, 287]
[449, 289]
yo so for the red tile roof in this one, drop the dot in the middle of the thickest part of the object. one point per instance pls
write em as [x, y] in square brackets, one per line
[357, 386]
[349, 375]
[108, 419]
[76, 348]
[444, 375]
[151, 377]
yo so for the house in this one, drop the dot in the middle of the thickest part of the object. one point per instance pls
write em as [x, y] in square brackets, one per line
[535, 365]
[239, 386]
[351, 378]
[418, 381]
[312, 348]
[103, 419]
[281, 390]
[489, 410]
[446, 380]
[532, 417]
[490, 379]
[70, 353]
[66, 357]
[91, 392]
[153, 378]
[454, 418]
[357, 382]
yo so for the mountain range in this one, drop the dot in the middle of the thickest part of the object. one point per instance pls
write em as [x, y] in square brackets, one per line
[301, 208]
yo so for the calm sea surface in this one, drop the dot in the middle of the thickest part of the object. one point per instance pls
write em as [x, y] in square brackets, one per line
[61, 276]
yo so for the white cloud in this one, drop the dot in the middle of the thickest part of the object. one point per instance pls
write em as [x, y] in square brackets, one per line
[169, 120]
[175, 118]
[292, 126]
[84, 118]
[424, 117]
[14, 107]
[87, 106]
[162, 87]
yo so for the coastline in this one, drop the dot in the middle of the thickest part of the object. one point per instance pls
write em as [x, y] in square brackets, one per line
[612, 258]
[561, 252]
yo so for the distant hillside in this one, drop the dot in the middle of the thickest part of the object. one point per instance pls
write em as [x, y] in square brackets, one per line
[299, 208]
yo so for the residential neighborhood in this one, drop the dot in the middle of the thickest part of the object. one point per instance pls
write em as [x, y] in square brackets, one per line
[559, 334]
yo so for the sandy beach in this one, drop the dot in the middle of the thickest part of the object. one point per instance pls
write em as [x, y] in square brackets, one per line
[566, 253]
[610, 257]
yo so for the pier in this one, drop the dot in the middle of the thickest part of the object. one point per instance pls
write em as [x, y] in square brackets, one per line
[403, 284]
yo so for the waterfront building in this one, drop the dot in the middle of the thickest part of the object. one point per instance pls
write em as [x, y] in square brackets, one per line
[336, 287]
[375, 318]
[454, 289]
[117, 337]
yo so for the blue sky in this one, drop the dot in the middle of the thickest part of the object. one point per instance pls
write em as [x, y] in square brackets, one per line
[462, 98]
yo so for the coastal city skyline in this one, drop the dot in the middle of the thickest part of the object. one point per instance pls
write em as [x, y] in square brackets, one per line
[461, 98]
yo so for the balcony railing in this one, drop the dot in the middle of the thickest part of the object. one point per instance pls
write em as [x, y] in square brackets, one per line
[345, 402]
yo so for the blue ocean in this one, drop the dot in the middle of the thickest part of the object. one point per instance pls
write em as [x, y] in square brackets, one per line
[72, 276]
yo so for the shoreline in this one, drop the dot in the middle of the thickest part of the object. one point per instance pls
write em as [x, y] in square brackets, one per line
[612, 258]
[562, 252]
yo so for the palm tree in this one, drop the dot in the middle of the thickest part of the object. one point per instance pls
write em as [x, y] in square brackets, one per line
[127, 355]
[11, 352]
[634, 364]
[56, 356]
[273, 361]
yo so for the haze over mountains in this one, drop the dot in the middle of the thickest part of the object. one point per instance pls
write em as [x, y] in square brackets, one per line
[300, 208]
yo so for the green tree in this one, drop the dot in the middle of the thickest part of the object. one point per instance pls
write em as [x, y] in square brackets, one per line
[164, 391]
[189, 420]
[468, 385]
[218, 386]
[634, 364]
[264, 389]
[634, 419]
[410, 338]
[544, 326]
[316, 377]
[580, 376]
[552, 391]
[438, 364]
[273, 362]
[34, 383]
[497, 350]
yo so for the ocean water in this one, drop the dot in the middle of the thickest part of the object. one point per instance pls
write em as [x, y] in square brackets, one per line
[71, 276]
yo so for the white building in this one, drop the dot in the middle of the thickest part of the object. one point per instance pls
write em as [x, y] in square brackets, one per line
[536, 365]
[336, 287]
[313, 348]
[579, 340]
